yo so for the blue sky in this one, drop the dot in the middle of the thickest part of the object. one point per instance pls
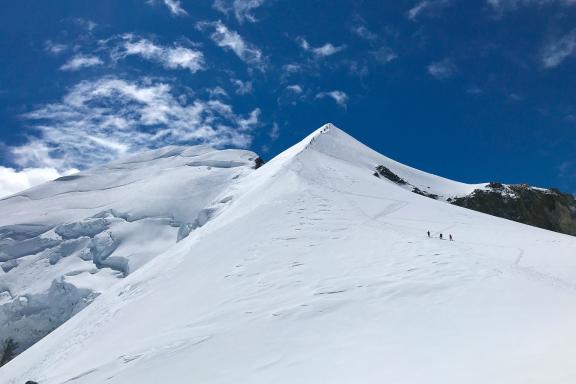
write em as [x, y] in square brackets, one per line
[475, 90]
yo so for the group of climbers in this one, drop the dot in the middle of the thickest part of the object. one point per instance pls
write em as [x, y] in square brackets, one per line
[441, 237]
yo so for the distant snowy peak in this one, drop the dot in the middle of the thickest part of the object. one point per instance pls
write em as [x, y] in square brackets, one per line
[334, 142]
[545, 208]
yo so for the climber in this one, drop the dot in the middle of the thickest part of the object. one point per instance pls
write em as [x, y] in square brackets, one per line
[440, 236]
[450, 237]
[428, 233]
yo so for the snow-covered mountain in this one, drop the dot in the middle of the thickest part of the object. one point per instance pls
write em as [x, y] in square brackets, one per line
[308, 269]
[65, 242]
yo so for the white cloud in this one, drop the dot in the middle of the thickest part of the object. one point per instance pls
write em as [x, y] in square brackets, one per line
[341, 98]
[217, 92]
[363, 32]
[242, 9]
[291, 68]
[81, 61]
[427, 8]
[325, 50]
[288, 70]
[556, 52]
[384, 55]
[275, 132]
[231, 40]
[251, 121]
[97, 121]
[296, 88]
[292, 95]
[88, 25]
[181, 57]
[55, 48]
[13, 181]
[177, 57]
[242, 87]
[443, 69]
[174, 6]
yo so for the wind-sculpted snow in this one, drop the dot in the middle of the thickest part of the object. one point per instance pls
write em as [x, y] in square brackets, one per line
[318, 272]
[87, 231]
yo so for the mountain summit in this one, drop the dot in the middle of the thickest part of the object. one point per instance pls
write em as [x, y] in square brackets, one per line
[315, 267]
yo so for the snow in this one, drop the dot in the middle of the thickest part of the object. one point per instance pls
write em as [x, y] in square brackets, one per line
[317, 271]
[86, 231]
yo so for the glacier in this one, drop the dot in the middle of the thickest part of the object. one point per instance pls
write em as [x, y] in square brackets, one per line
[65, 242]
[199, 268]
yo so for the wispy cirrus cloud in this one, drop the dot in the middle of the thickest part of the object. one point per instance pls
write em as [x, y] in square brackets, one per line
[295, 88]
[170, 57]
[242, 87]
[290, 70]
[97, 121]
[217, 92]
[443, 69]
[241, 9]
[384, 55]
[292, 95]
[381, 52]
[363, 32]
[55, 48]
[78, 62]
[230, 40]
[557, 51]
[86, 24]
[174, 6]
[274, 132]
[328, 49]
[427, 8]
[340, 97]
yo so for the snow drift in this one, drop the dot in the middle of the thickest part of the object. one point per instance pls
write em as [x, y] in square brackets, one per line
[317, 271]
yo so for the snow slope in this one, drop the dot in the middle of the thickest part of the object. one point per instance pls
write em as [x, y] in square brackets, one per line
[320, 272]
[65, 242]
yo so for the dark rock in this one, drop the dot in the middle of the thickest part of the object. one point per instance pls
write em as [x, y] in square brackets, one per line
[548, 209]
[258, 163]
[388, 174]
[423, 193]
[497, 186]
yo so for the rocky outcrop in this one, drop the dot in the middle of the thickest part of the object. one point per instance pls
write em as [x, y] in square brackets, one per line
[382, 171]
[258, 162]
[544, 208]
